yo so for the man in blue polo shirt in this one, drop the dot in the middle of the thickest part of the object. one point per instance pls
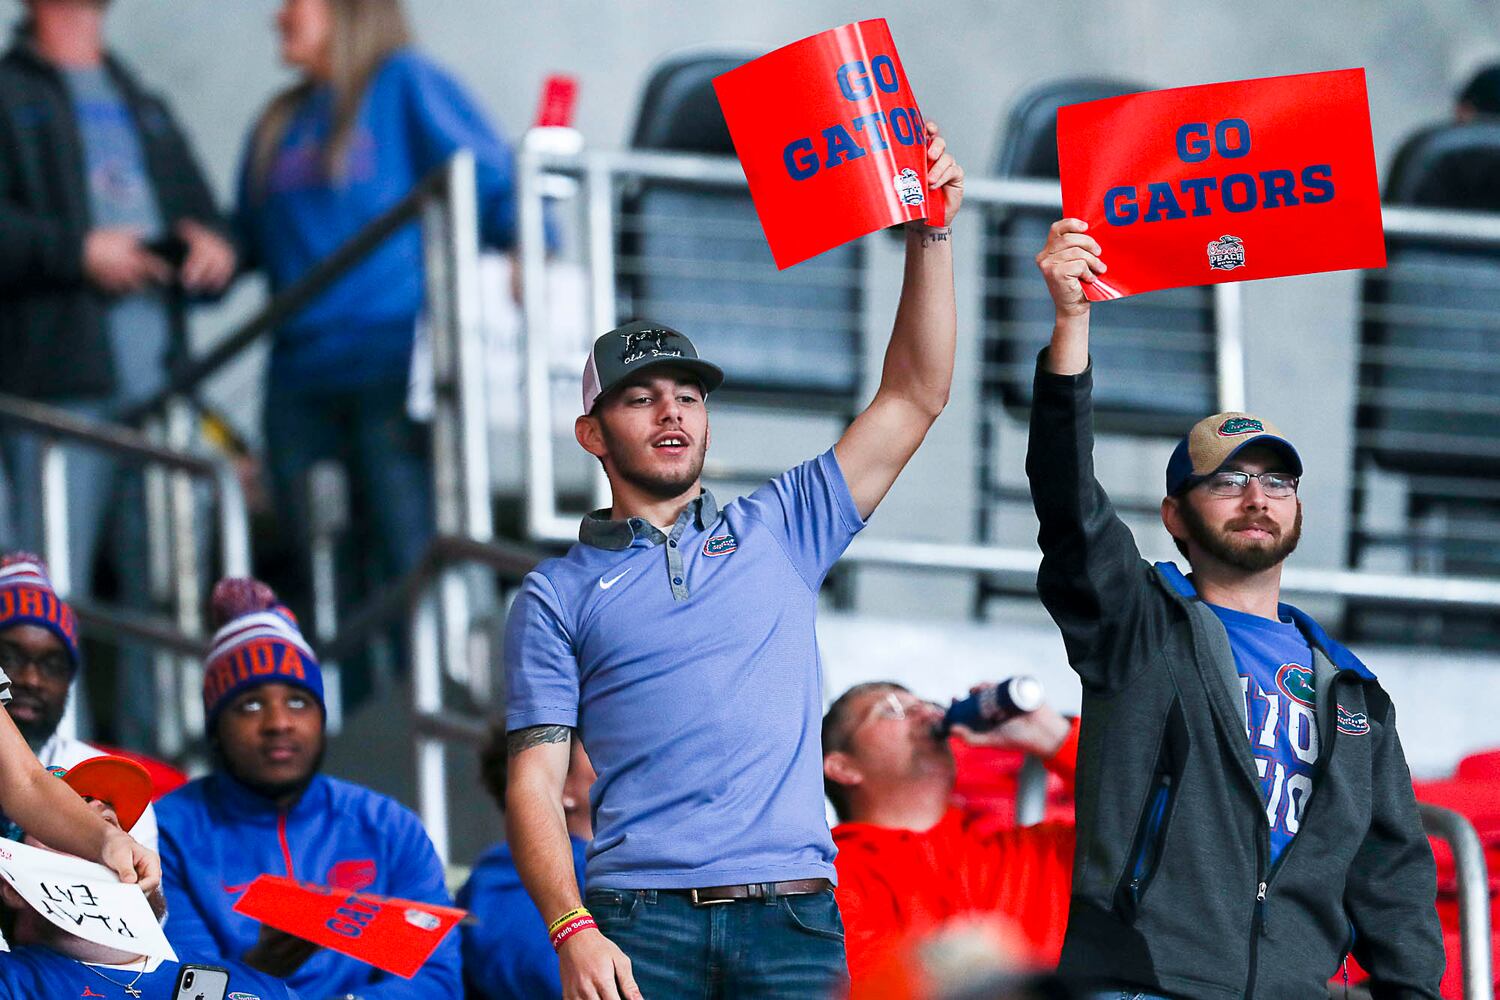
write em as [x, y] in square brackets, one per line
[678, 640]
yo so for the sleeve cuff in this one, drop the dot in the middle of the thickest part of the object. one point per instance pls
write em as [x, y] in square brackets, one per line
[527, 718]
[1083, 380]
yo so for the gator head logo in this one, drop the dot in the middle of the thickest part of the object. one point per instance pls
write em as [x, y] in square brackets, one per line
[1296, 682]
[352, 875]
[1238, 426]
[720, 545]
[1353, 723]
[641, 344]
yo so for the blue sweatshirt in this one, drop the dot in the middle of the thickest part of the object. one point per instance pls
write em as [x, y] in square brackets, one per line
[217, 836]
[507, 954]
[39, 974]
[413, 117]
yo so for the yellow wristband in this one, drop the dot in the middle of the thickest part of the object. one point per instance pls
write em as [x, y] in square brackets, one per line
[578, 911]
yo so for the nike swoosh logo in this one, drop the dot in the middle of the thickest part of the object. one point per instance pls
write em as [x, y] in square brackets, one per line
[606, 584]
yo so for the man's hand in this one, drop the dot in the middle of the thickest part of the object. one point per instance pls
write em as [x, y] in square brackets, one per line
[277, 953]
[210, 260]
[1068, 262]
[1041, 732]
[594, 968]
[116, 261]
[131, 862]
[943, 172]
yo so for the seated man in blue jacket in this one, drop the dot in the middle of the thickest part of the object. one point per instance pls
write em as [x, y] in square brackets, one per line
[507, 954]
[51, 962]
[267, 809]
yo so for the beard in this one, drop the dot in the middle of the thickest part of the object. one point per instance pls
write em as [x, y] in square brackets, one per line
[1242, 554]
[38, 731]
[662, 485]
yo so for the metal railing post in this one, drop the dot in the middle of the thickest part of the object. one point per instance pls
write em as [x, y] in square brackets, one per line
[536, 414]
[431, 766]
[1031, 791]
[53, 463]
[186, 682]
[1229, 345]
[1473, 896]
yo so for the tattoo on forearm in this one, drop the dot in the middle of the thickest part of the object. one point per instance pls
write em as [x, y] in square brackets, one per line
[931, 235]
[532, 736]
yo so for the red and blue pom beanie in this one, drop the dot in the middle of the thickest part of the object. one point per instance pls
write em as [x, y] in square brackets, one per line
[27, 598]
[258, 642]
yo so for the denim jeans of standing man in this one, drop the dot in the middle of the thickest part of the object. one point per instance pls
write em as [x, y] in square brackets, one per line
[776, 948]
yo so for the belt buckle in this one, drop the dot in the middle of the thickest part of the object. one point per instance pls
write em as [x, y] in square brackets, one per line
[693, 894]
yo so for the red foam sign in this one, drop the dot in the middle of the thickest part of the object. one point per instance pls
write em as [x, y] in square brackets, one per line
[1224, 182]
[395, 935]
[555, 107]
[831, 140]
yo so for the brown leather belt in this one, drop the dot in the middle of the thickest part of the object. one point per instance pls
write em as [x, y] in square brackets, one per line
[757, 890]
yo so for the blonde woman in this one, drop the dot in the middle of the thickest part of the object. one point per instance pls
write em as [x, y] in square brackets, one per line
[367, 120]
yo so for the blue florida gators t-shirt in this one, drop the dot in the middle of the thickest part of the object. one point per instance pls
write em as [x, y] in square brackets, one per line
[1275, 666]
[688, 663]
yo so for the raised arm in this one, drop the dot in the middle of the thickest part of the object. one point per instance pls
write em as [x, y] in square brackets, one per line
[918, 371]
[1092, 578]
[53, 813]
[592, 966]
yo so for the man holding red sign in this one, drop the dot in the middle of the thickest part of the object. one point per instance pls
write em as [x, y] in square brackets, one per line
[1245, 813]
[678, 640]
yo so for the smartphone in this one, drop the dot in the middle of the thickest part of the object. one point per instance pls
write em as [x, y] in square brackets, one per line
[201, 982]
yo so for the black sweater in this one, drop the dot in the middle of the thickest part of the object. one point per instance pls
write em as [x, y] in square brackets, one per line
[52, 320]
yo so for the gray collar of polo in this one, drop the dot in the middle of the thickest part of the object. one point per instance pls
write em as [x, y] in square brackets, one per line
[598, 530]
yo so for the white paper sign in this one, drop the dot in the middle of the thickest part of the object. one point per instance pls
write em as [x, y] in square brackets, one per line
[84, 899]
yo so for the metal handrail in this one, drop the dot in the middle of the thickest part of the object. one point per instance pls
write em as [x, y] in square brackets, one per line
[188, 375]
[1473, 896]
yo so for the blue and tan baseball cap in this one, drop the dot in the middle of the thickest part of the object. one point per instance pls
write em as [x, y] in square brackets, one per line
[630, 349]
[1215, 440]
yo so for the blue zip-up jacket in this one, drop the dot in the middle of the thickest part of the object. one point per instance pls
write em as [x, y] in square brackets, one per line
[507, 954]
[39, 974]
[413, 118]
[217, 836]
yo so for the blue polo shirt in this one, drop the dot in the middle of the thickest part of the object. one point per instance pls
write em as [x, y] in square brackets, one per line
[689, 665]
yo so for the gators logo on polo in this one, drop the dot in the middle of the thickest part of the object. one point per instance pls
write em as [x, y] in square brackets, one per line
[720, 545]
[1353, 723]
[1296, 682]
[1236, 426]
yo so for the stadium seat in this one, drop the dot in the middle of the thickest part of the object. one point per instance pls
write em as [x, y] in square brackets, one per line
[1428, 397]
[1135, 339]
[694, 256]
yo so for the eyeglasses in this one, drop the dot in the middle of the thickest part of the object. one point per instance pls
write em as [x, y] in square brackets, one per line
[1278, 485]
[891, 708]
[54, 666]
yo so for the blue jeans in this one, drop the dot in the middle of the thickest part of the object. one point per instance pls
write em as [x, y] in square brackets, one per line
[386, 459]
[777, 948]
[1126, 994]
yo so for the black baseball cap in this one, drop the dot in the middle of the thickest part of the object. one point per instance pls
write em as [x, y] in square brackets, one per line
[628, 350]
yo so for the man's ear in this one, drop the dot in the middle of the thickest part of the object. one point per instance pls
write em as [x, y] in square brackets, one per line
[10, 898]
[1171, 518]
[590, 438]
[840, 768]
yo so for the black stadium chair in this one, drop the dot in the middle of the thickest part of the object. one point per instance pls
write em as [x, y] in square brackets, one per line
[1136, 339]
[1138, 342]
[1429, 388]
[694, 256]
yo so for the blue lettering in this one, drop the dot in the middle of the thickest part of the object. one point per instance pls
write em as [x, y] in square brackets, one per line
[1278, 188]
[857, 88]
[801, 161]
[1317, 183]
[1119, 206]
[1199, 187]
[841, 146]
[885, 74]
[1192, 142]
[901, 126]
[919, 125]
[1237, 204]
[1221, 137]
[1163, 204]
[875, 120]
